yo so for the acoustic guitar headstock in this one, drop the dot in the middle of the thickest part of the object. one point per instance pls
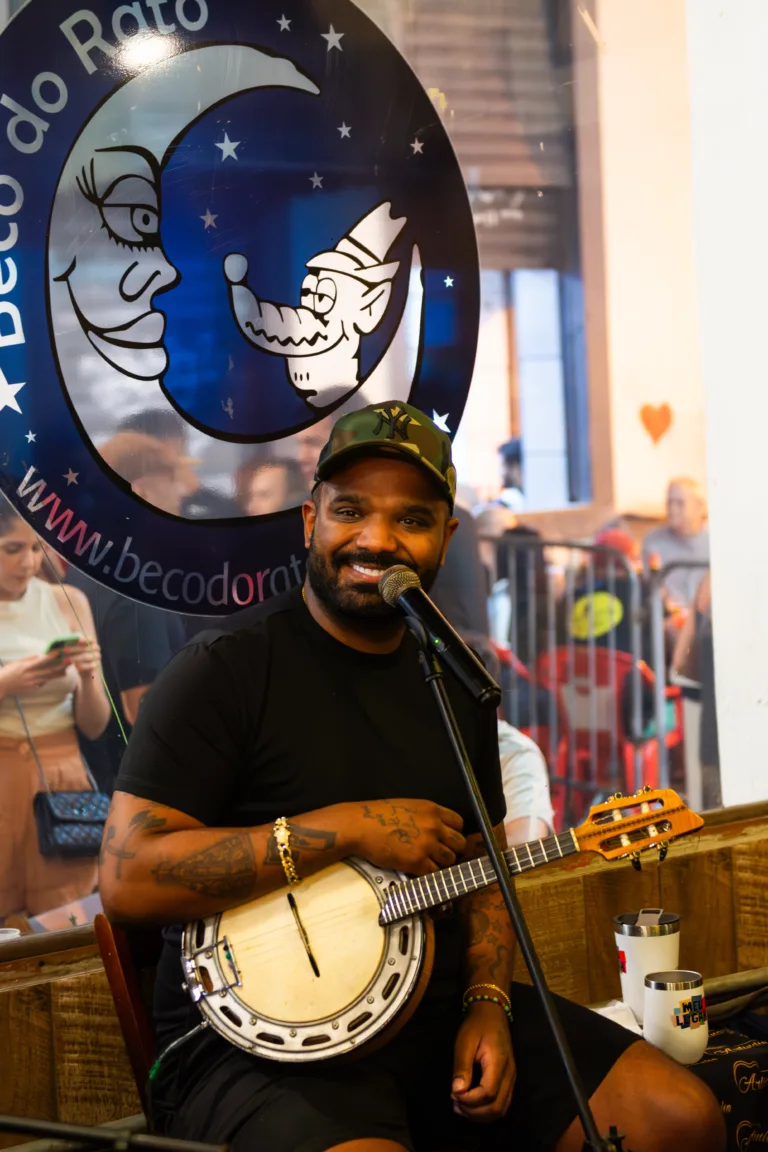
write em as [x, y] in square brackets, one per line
[624, 826]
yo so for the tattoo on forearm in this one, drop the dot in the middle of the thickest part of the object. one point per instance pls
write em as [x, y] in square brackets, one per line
[143, 821]
[400, 820]
[226, 869]
[489, 940]
[302, 840]
[499, 970]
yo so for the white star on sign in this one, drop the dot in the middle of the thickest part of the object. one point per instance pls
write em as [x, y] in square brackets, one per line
[418, 147]
[316, 181]
[345, 130]
[209, 219]
[228, 148]
[285, 25]
[449, 281]
[70, 477]
[8, 394]
[30, 437]
[333, 37]
[441, 421]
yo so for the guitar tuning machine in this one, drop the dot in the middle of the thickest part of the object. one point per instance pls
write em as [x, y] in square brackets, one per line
[662, 850]
[636, 864]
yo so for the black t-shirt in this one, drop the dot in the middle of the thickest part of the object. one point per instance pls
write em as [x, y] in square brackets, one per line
[277, 718]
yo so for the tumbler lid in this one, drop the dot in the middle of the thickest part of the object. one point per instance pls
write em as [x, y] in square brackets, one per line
[675, 981]
[626, 925]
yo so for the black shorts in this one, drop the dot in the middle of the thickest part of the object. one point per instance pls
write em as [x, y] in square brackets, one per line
[402, 1093]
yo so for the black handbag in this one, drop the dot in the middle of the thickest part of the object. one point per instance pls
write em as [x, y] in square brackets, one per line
[70, 825]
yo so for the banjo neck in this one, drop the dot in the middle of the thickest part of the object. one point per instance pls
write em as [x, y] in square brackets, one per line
[424, 892]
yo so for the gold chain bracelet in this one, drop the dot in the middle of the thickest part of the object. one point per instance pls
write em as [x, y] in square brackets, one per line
[282, 834]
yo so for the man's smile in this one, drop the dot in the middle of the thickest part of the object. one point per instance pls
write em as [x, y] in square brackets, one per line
[368, 573]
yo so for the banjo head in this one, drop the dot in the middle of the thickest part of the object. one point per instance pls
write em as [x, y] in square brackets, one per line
[306, 973]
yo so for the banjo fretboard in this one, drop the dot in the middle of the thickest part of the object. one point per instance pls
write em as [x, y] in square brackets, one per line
[425, 892]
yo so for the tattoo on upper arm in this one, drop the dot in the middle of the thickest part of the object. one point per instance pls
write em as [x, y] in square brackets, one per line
[226, 868]
[400, 820]
[302, 840]
[143, 821]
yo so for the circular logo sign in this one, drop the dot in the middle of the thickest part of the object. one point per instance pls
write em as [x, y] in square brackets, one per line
[220, 228]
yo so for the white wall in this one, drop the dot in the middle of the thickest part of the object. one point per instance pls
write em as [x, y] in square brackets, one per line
[729, 107]
[639, 50]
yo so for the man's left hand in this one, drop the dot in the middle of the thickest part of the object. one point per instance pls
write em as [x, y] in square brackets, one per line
[483, 1040]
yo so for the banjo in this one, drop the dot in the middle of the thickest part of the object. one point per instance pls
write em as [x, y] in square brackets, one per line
[343, 959]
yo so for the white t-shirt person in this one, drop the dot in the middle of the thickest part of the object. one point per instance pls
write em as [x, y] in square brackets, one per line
[525, 781]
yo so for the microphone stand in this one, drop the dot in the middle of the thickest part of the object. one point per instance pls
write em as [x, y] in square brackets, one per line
[433, 674]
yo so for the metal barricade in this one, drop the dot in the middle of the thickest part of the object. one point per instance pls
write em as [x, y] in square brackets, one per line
[659, 660]
[540, 624]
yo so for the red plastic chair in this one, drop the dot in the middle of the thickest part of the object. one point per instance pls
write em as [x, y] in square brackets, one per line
[590, 701]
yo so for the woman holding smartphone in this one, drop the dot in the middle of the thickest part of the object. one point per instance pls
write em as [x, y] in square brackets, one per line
[50, 684]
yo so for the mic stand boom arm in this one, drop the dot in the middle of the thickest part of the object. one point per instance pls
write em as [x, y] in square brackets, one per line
[433, 674]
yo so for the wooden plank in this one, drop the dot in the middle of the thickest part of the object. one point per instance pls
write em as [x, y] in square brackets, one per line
[700, 889]
[606, 896]
[557, 922]
[94, 1083]
[750, 884]
[27, 1083]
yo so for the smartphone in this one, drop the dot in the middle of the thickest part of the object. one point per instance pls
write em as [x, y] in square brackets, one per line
[60, 643]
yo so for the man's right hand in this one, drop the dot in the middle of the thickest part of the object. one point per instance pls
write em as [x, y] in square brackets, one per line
[413, 836]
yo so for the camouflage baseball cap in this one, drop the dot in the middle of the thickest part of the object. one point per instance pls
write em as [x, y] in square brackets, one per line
[391, 428]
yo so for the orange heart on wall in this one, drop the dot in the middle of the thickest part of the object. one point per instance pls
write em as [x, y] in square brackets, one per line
[656, 421]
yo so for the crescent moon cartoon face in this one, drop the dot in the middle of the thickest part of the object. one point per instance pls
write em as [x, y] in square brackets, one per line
[108, 269]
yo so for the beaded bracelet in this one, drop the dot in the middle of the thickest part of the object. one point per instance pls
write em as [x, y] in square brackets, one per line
[501, 999]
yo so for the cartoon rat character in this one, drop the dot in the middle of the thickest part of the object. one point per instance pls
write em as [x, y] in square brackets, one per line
[344, 296]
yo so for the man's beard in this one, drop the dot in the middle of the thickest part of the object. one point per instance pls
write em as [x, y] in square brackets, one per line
[359, 601]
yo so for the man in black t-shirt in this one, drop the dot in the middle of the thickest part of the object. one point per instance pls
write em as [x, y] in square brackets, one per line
[314, 709]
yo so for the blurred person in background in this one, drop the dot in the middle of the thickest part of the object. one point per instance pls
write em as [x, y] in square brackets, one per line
[137, 641]
[525, 779]
[265, 485]
[684, 537]
[197, 502]
[460, 590]
[152, 469]
[694, 658]
[310, 441]
[44, 700]
[524, 772]
[511, 459]
[603, 610]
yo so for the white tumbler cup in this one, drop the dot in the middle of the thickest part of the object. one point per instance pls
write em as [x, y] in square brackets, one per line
[676, 1014]
[646, 941]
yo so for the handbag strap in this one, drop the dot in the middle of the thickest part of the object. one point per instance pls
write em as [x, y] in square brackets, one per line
[31, 743]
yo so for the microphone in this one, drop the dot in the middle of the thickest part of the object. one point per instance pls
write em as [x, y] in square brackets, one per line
[400, 587]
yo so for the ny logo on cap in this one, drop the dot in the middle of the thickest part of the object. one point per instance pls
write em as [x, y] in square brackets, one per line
[396, 419]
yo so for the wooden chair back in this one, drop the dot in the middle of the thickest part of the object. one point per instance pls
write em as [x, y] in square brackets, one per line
[130, 959]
